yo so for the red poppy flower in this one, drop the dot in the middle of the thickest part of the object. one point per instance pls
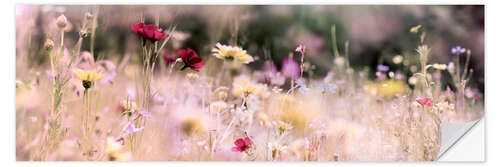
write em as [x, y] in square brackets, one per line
[424, 101]
[148, 31]
[190, 59]
[241, 144]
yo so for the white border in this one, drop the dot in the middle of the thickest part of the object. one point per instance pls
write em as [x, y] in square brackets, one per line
[7, 71]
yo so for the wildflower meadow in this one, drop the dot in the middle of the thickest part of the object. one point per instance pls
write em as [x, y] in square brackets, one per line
[244, 83]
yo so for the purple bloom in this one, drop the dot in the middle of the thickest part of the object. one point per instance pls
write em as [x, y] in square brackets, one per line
[130, 128]
[383, 68]
[380, 75]
[290, 68]
[144, 113]
[458, 50]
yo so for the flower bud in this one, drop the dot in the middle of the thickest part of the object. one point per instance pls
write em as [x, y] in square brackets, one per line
[49, 44]
[61, 21]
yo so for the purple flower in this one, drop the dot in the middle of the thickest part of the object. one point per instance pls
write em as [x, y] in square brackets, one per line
[458, 50]
[290, 68]
[130, 128]
[380, 75]
[144, 113]
[382, 68]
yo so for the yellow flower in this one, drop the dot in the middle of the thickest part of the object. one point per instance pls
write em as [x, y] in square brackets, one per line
[242, 85]
[282, 127]
[218, 106]
[234, 53]
[88, 77]
[128, 105]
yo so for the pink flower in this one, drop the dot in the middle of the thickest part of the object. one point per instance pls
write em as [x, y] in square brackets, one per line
[424, 101]
[148, 31]
[290, 68]
[190, 59]
[242, 144]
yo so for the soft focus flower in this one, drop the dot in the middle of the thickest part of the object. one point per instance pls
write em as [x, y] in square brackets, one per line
[424, 101]
[218, 106]
[382, 68]
[439, 66]
[190, 59]
[242, 144]
[457, 50]
[148, 31]
[276, 149]
[242, 85]
[130, 128]
[290, 68]
[88, 77]
[282, 127]
[61, 21]
[233, 53]
[128, 106]
[397, 59]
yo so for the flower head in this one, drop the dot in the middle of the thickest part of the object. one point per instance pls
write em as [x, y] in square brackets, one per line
[88, 77]
[232, 53]
[148, 31]
[282, 127]
[458, 50]
[242, 144]
[290, 68]
[424, 101]
[130, 128]
[61, 21]
[190, 59]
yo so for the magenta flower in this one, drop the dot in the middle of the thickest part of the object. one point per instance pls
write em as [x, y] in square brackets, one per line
[290, 68]
[148, 31]
[190, 59]
[424, 101]
[242, 144]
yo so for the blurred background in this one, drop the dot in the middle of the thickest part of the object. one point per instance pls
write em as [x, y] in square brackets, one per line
[375, 33]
